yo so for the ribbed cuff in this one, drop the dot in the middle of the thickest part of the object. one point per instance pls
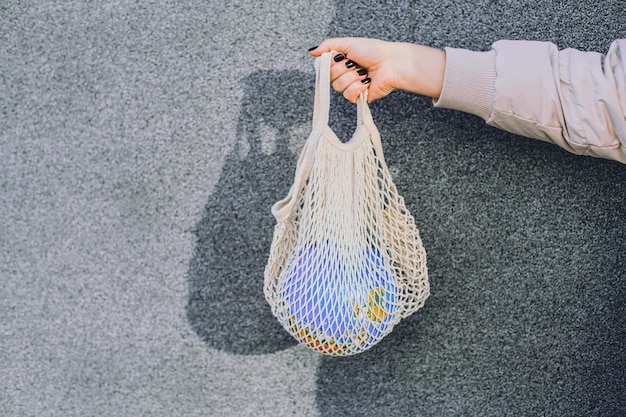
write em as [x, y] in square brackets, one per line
[468, 83]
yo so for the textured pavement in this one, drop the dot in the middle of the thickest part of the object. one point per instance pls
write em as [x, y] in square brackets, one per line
[141, 147]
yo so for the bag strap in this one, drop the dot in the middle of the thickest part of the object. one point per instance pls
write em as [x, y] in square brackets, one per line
[364, 117]
[321, 108]
[321, 111]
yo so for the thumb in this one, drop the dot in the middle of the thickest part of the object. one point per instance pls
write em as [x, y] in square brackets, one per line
[332, 44]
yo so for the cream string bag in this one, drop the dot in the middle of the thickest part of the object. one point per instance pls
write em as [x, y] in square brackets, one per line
[346, 262]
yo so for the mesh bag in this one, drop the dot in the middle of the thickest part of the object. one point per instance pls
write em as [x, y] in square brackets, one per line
[346, 262]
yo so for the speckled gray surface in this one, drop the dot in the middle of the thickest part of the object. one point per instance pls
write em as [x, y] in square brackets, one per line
[141, 146]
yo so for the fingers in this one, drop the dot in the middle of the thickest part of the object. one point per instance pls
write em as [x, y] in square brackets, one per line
[348, 77]
[344, 71]
[352, 92]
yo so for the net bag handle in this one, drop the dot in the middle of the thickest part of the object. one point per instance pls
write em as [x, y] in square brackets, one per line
[321, 112]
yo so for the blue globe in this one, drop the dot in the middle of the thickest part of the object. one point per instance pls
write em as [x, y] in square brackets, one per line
[336, 304]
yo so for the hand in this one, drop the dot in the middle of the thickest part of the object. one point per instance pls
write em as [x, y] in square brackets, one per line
[362, 63]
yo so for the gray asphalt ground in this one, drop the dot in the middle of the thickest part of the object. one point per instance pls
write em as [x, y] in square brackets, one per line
[141, 147]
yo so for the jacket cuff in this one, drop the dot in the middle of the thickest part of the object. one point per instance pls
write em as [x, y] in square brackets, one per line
[469, 82]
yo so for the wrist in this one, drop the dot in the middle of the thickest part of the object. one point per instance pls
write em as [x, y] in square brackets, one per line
[420, 69]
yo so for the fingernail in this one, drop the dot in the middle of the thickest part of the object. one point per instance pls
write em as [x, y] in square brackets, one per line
[361, 71]
[311, 49]
[366, 80]
[339, 57]
[350, 64]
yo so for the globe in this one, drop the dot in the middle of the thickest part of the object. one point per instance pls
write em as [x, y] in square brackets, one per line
[340, 298]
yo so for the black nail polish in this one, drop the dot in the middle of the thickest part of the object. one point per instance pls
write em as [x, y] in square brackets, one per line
[361, 71]
[366, 80]
[339, 57]
[350, 64]
[310, 49]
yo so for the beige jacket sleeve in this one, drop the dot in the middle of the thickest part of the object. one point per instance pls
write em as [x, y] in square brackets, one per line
[574, 99]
